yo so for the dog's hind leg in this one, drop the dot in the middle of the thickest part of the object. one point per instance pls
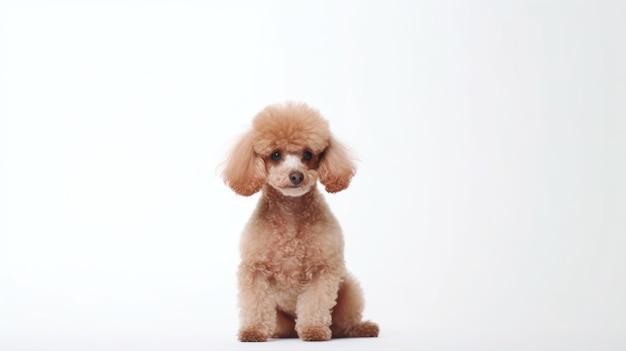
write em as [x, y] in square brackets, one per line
[347, 314]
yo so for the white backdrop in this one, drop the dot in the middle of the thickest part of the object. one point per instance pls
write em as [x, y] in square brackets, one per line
[488, 212]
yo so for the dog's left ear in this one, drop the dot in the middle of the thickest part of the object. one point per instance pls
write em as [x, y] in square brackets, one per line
[336, 167]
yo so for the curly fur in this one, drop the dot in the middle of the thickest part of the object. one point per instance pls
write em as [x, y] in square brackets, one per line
[292, 278]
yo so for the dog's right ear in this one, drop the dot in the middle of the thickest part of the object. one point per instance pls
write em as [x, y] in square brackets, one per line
[245, 170]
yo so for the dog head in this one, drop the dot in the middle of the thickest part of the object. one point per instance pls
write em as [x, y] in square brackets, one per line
[289, 147]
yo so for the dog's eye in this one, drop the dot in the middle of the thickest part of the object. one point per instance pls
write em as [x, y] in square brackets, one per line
[275, 156]
[307, 155]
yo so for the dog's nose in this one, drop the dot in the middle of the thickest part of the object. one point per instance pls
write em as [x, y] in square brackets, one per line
[296, 178]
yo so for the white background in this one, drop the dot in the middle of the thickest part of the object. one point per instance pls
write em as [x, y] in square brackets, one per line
[488, 212]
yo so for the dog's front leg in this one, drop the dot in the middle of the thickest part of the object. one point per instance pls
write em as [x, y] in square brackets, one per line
[314, 305]
[257, 308]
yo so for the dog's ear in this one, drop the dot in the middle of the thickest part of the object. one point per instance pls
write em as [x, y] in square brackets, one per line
[245, 170]
[336, 167]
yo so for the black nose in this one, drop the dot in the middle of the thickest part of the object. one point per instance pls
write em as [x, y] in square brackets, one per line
[296, 178]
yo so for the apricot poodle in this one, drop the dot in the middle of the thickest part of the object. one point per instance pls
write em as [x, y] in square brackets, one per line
[293, 280]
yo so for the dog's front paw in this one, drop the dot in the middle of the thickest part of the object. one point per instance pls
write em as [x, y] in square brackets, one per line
[315, 333]
[251, 334]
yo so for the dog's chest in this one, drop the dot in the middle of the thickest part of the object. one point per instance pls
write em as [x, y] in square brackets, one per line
[287, 256]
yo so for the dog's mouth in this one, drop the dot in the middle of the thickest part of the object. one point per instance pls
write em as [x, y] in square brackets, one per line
[294, 190]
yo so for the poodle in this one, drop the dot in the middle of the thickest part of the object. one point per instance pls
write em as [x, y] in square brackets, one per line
[292, 278]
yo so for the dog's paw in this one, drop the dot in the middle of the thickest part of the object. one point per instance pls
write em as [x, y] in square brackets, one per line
[315, 333]
[364, 330]
[251, 334]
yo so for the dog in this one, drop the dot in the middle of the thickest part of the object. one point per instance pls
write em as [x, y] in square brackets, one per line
[292, 277]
